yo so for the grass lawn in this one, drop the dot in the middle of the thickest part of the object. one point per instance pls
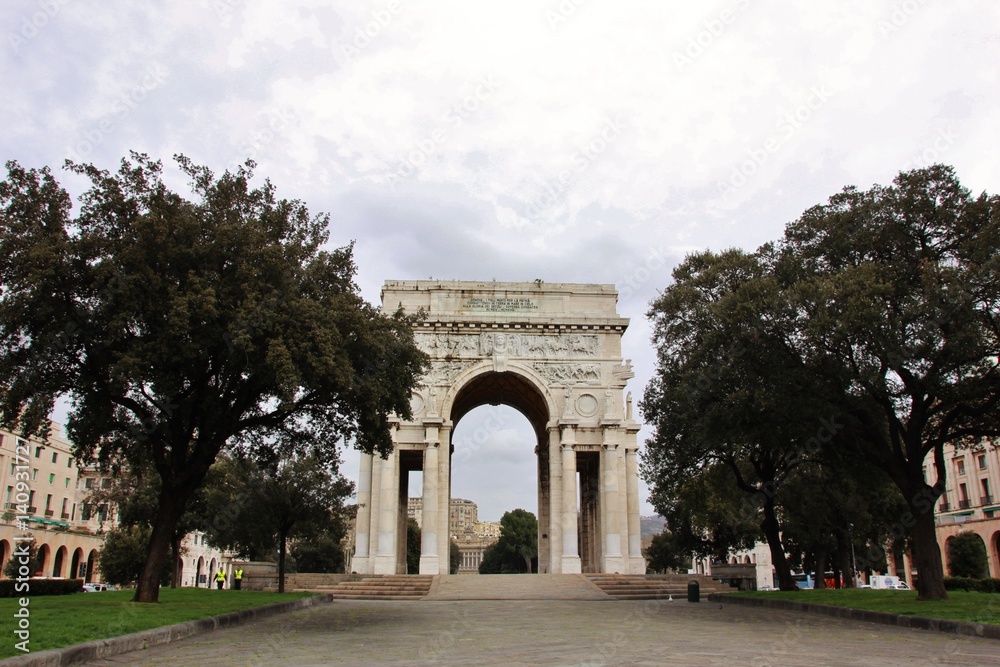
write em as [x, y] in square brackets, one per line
[63, 620]
[961, 605]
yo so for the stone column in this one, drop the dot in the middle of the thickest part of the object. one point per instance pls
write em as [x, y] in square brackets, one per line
[555, 503]
[376, 504]
[614, 562]
[444, 499]
[429, 531]
[570, 545]
[385, 557]
[636, 563]
[359, 563]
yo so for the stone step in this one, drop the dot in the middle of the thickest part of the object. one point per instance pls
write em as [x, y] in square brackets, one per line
[656, 587]
[393, 587]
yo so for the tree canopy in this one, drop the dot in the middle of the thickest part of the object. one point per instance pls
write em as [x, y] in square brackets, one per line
[179, 328]
[871, 327]
[255, 509]
[517, 548]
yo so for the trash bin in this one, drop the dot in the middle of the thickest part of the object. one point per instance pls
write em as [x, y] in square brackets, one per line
[694, 591]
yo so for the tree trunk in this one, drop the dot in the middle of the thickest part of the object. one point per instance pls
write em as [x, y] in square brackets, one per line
[175, 551]
[772, 531]
[847, 573]
[527, 561]
[281, 561]
[927, 558]
[820, 568]
[169, 512]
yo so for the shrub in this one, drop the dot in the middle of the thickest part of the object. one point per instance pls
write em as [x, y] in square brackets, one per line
[970, 584]
[8, 587]
[967, 556]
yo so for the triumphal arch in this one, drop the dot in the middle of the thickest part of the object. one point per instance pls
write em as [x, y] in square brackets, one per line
[553, 352]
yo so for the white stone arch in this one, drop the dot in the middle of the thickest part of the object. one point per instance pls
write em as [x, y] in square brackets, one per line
[551, 351]
[484, 368]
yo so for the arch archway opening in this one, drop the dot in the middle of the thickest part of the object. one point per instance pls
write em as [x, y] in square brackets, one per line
[494, 470]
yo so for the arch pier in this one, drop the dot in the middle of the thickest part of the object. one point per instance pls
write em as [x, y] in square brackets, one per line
[551, 351]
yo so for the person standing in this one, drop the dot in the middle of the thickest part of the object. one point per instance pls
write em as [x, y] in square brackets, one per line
[237, 578]
[220, 578]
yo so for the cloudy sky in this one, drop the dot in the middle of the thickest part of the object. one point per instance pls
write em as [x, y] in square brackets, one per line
[572, 141]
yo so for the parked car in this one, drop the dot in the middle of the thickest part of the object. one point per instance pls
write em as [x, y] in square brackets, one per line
[95, 588]
[902, 586]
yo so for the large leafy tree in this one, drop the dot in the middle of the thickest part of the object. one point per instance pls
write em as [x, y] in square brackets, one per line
[897, 293]
[180, 327]
[730, 390]
[872, 323]
[256, 508]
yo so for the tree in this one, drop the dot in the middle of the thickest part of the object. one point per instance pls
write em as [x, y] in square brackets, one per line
[707, 515]
[873, 323]
[967, 556]
[12, 569]
[256, 508]
[135, 491]
[124, 554]
[179, 328]
[412, 546]
[896, 292]
[454, 557]
[319, 552]
[729, 391]
[517, 547]
[664, 554]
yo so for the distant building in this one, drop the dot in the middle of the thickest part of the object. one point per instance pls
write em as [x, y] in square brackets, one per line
[470, 534]
[970, 501]
[42, 478]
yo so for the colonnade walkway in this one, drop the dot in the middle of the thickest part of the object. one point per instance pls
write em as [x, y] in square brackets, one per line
[570, 628]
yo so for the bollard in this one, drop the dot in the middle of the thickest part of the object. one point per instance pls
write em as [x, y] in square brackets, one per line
[694, 591]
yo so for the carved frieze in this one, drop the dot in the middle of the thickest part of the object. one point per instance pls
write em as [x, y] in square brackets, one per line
[570, 374]
[510, 345]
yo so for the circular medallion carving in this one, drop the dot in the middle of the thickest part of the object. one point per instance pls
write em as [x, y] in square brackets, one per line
[416, 404]
[587, 405]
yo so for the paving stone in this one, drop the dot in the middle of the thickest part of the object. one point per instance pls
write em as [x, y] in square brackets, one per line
[562, 632]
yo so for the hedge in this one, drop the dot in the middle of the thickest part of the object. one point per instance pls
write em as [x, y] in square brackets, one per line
[40, 587]
[968, 584]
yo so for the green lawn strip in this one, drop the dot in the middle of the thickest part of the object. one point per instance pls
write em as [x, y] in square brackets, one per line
[64, 620]
[961, 605]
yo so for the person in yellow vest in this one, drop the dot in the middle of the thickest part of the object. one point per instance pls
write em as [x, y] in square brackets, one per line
[220, 578]
[237, 578]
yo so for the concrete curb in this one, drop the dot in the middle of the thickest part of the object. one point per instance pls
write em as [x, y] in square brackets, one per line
[105, 648]
[916, 622]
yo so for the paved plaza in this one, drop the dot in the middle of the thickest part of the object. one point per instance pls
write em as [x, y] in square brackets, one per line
[561, 632]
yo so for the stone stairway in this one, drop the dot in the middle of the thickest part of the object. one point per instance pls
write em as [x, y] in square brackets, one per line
[389, 587]
[655, 587]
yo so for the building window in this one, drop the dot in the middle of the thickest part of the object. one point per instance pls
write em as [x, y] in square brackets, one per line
[88, 483]
[960, 466]
[52, 478]
[65, 514]
[34, 474]
[10, 492]
[38, 452]
[69, 462]
[85, 512]
[981, 459]
[55, 457]
[67, 482]
[106, 483]
[987, 498]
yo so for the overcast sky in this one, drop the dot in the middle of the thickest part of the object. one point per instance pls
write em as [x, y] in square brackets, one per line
[573, 141]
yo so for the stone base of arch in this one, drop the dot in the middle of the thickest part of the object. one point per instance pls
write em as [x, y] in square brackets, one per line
[551, 351]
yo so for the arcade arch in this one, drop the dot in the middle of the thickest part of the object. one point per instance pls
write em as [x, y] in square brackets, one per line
[553, 353]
